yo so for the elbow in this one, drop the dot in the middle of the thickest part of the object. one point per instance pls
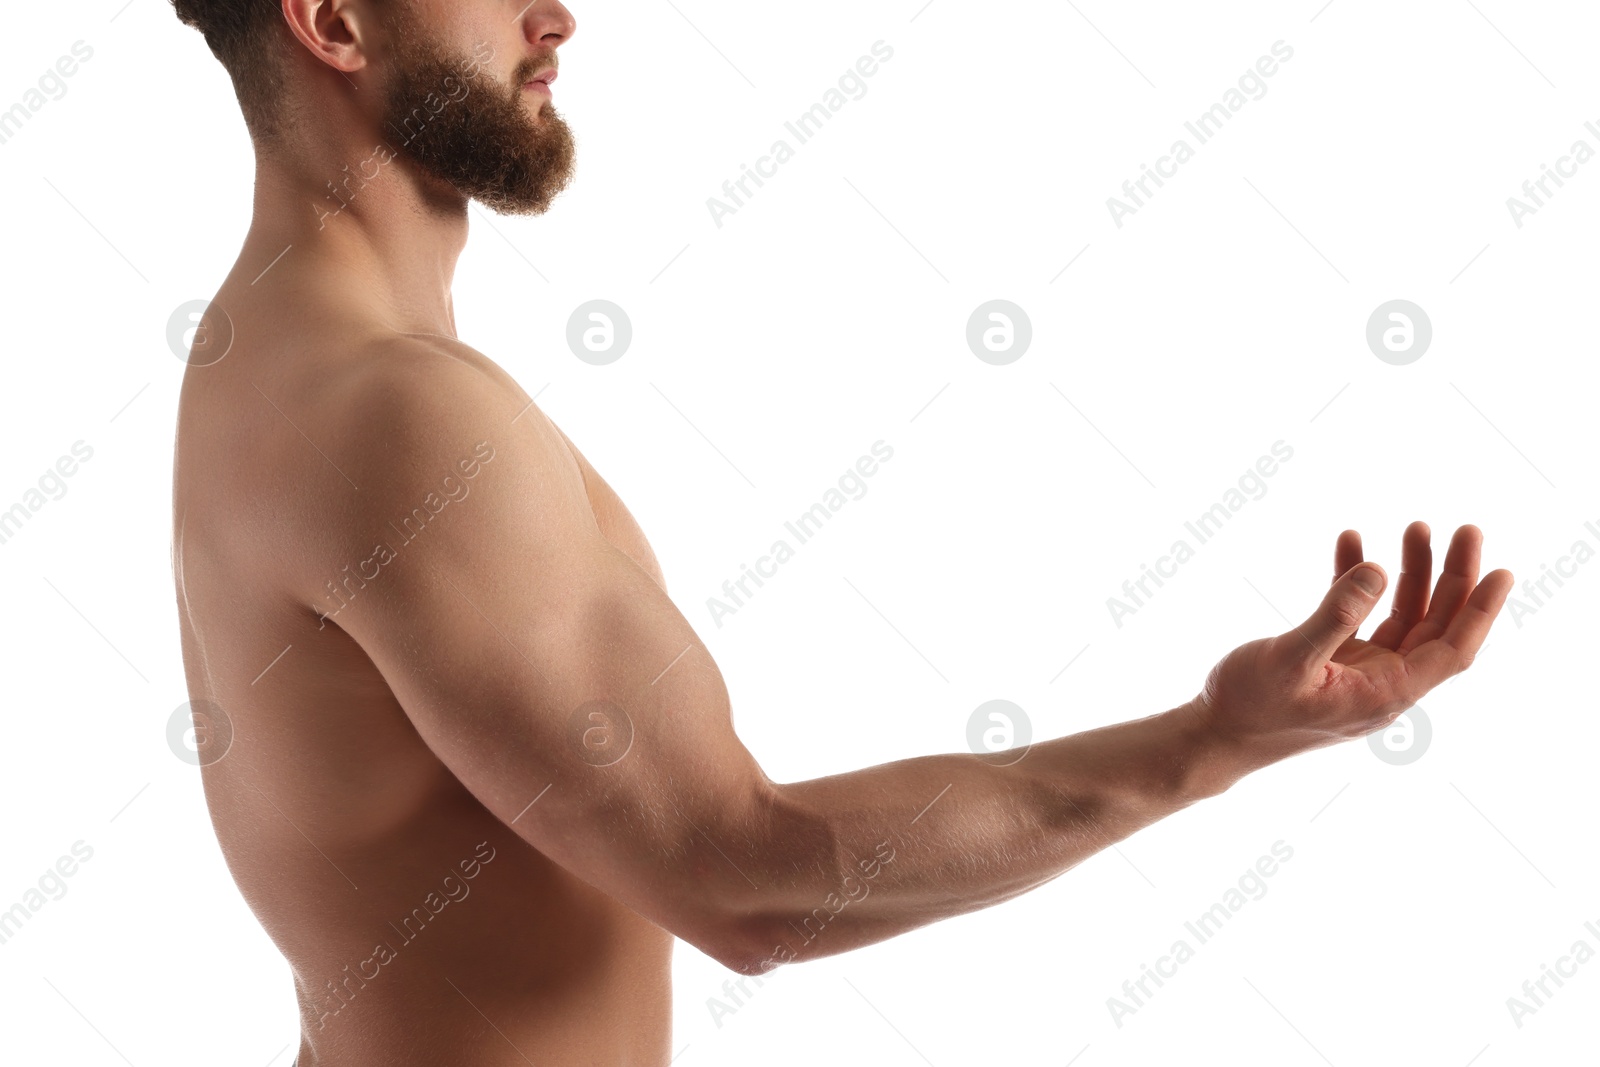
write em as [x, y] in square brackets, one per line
[754, 967]
[747, 929]
[744, 937]
[751, 959]
[742, 944]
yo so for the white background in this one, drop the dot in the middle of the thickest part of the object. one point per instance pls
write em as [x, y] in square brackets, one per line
[828, 313]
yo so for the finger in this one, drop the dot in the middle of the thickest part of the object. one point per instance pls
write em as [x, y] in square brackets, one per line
[1346, 553]
[1455, 584]
[1434, 661]
[1341, 613]
[1411, 589]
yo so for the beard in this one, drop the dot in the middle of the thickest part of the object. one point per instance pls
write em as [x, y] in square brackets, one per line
[460, 124]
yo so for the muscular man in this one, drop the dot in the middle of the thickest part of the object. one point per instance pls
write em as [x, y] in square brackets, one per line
[471, 768]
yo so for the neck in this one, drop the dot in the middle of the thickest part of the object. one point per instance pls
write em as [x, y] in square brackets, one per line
[369, 231]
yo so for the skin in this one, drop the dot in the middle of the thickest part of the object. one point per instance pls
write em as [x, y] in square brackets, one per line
[497, 749]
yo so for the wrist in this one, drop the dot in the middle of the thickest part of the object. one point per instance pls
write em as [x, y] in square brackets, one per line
[1212, 760]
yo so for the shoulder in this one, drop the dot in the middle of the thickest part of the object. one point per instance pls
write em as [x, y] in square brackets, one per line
[407, 376]
[415, 425]
[409, 398]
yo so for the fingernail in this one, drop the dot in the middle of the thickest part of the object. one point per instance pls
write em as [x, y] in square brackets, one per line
[1369, 581]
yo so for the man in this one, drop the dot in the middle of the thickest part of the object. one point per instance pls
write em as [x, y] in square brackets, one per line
[471, 768]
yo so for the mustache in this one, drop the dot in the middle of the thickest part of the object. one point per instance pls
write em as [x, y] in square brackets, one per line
[529, 67]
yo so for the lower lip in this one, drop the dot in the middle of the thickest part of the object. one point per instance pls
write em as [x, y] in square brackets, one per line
[538, 87]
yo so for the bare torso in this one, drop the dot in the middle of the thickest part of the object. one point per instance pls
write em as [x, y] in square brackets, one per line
[420, 928]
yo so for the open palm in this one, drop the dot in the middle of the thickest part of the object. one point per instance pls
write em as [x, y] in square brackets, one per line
[1319, 683]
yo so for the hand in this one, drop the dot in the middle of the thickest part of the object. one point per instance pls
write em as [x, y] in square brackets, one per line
[1319, 684]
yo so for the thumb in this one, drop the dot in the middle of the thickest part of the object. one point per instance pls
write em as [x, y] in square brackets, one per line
[1344, 608]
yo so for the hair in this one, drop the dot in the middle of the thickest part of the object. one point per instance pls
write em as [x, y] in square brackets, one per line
[246, 37]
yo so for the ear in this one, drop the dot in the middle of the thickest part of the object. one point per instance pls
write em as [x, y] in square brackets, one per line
[340, 33]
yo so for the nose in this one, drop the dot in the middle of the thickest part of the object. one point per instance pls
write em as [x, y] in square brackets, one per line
[547, 23]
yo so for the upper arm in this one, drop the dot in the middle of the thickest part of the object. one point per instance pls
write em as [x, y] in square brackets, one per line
[543, 666]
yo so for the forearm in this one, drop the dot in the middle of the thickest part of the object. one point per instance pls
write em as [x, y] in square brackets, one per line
[856, 858]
